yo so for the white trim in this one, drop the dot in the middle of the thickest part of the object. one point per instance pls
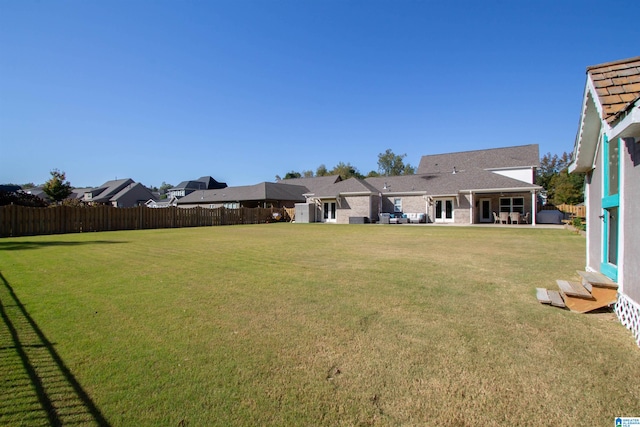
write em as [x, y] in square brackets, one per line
[621, 212]
[508, 189]
[405, 193]
[628, 312]
[529, 167]
[628, 126]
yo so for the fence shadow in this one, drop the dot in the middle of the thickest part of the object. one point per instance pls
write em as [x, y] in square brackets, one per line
[37, 387]
[18, 246]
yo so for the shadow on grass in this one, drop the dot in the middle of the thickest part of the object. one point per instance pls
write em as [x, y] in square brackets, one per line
[37, 387]
[18, 246]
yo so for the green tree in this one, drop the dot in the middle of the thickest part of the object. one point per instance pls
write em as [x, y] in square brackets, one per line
[391, 164]
[550, 166]
[57, 188]
[307, 174]
[292, 174]
[346, 171]
[322, 171]
[567, 188]
[164, 187]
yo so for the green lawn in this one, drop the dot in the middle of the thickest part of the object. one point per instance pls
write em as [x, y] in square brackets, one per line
[305, 324]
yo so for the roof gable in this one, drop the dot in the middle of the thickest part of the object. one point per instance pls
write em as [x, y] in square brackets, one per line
[611, 105]
[108, 189]
[202, 183]
[313, 184]
[351, 185]
[521, 156]
[257, 192]
[617, 86]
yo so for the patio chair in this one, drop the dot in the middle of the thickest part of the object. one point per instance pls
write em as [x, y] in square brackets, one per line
[515, 217]
[504, 217]
[496, 218]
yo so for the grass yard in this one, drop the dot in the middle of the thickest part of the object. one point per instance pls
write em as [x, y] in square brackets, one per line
[305, 324]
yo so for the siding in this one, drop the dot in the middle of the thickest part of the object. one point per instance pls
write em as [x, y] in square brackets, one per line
[630, 154]
[594, 210]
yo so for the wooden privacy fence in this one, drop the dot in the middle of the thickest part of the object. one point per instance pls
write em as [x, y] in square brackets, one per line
[27, 221]
[575, 211]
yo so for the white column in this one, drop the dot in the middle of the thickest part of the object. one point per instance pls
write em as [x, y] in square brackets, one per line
[534, 208]
[470, 207]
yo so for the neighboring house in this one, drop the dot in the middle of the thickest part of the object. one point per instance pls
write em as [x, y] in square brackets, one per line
[263, 195]
[607, 150]
[38, 192]
[187, 187]
[132, 195]
[78, 193]
[122, 193]
[162, 203]
[463, 188]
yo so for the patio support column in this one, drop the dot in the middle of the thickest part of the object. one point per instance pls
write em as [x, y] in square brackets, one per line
[470, 207]
[534, 208]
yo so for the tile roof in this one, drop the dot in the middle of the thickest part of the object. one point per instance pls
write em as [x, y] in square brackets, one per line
[493, 158]
[617, 85]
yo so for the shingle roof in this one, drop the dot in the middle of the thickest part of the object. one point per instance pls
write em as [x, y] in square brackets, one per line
[108, 189]
[493, 158]
[617, 85]
[440, 184]
[262, 191]
[351, 185]
[130, 187]
[313, 183]
[202, 183]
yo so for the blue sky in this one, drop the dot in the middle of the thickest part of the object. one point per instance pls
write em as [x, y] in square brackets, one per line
[244, 90]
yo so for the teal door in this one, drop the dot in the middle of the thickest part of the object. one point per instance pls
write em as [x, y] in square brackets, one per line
[611, 208]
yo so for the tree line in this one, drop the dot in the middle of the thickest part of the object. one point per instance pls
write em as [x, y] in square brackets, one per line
[560, 185]
[389, 164]
[553, 175]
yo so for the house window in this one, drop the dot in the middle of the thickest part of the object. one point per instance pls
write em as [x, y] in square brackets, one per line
[512, 204]
[231, 205]
[397, 205]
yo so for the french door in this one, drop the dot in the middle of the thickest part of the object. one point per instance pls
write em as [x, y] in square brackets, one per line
[329, 209]
[444, 210]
